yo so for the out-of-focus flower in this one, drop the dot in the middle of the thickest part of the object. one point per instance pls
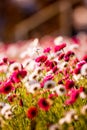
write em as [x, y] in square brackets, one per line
[70, 116]
[83, 95]
[6, 108]
[85, 58]
[59, 47]
[41, 59]
[84, 70]
[33, 88]
[69, 84]
[80, 64]
[84, 110]
[7, 87]
[74, 93]
[58, 40]
[60, 90]
[2, 104]
[18, 75]
[43, 104]
[15, 66]
[47, 50]
[32, 112]
[49, 84]
[8, 115]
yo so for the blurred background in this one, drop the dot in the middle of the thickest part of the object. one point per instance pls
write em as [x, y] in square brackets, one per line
[24, 19]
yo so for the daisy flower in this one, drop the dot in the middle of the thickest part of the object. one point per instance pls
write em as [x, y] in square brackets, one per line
[43, 104]
[6, 108]
[84, 110]
[60, 90]
[33, 88]
[7, 87]
[32, 112]
[49, 84]
[84, 70]
[15, 66]
[8, 114]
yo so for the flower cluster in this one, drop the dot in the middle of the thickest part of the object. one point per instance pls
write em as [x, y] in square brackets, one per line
[46, 91]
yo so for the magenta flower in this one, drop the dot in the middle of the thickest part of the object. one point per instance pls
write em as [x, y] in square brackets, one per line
[75, 40]
[77, 70]
[69, 53]
[52, 64]
[81, 63]
[69, 84]
[59, 47]
[47, 63]
[61, 56]
[85, 58]
[47, 50]
[44, 104]
[18, 75]
[74, 93]
[5, 60]
[55, 69]
[48, 77]
[42, 58]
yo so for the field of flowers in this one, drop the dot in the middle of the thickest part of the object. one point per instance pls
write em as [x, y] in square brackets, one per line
[43, 86]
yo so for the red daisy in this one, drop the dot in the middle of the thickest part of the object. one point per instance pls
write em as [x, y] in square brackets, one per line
[32, 112]
[6, 88]
[18, 75]
[43, 104]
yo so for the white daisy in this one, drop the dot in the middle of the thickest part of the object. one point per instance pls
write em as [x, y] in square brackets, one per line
[83, 95]
[70, 115]
[6, 107]
[33, 76]
[8, 115]
[84, 70]
[33, 88]
[84, 110]
[31, 66]
[76, 77]
[60, 90]
[58, 40]
[62, 121]
[61, 65]
[15, 66]
[26, 62]
[38, 70]
[49, 84]
[2, 104]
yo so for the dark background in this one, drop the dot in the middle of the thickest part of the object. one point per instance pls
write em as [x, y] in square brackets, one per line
[24, 19]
